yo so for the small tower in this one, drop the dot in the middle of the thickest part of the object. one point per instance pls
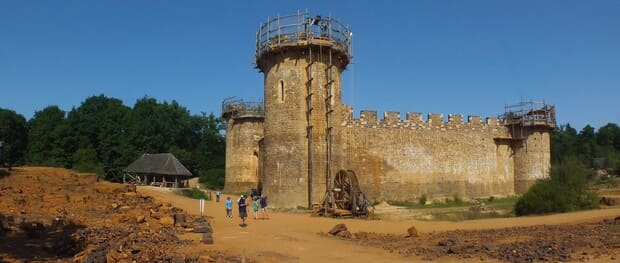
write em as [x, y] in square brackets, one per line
[530, 124]
[302, 58]
[244, 130]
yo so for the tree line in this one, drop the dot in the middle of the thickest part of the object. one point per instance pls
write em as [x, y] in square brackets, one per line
[575, 158]
[598, 149]
[103, 135]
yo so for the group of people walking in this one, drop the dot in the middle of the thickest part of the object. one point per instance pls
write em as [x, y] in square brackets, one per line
[257, 203]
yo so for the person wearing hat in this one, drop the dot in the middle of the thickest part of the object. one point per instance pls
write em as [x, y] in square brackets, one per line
[243, 213]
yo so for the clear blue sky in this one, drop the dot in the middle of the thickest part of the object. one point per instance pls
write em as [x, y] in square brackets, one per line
[464, 57]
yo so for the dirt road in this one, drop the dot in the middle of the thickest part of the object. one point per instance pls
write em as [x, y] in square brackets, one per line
[289, 237]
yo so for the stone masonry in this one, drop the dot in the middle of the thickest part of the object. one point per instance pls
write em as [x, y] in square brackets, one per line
[395, 158]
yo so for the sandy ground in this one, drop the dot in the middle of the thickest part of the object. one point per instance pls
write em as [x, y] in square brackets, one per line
[291, 237]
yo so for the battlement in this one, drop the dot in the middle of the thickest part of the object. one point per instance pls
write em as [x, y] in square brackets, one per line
[415, 120]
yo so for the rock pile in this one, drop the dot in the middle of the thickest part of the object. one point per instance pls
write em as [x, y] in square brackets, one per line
[587, 241]
[340, 230]
[55, 215]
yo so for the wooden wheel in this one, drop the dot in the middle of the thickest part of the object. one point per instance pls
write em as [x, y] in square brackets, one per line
[347, 193]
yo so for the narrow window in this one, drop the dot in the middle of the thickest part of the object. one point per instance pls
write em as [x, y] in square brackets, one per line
[281, 90]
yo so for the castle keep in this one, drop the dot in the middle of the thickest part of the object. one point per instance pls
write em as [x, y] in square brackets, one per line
[293, 143]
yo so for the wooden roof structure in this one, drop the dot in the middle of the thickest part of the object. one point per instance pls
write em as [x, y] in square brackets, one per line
[160, 164]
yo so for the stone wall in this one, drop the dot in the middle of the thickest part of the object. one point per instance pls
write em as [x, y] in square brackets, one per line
[394, 158]
[532, 156]
[403, 159]
[242, 136]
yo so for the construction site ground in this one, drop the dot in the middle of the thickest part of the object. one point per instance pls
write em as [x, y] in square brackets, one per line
[31, 195]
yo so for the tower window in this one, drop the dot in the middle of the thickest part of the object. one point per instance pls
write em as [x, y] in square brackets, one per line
[281, 90]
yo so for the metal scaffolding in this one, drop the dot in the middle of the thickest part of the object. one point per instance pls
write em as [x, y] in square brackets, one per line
[238, 108]
[301, 29]
[529, 113]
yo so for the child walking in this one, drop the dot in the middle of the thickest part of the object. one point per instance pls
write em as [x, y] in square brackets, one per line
[255, 207]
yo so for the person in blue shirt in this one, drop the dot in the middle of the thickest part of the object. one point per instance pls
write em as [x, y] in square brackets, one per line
[229, 205]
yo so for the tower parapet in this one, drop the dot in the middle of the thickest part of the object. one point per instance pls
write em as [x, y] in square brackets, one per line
[244, 130]
[529, 114]
[238, 108]
[530, 124]
[301, 29]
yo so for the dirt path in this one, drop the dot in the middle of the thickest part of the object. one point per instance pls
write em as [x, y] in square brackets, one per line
[293, 237]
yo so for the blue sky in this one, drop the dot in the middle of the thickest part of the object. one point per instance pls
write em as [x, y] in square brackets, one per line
[463, 57]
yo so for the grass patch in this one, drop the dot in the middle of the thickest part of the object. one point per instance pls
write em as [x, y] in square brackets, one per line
[457, 216]
[454, 202]
[194, 193]
[504, 203]
[456, 209]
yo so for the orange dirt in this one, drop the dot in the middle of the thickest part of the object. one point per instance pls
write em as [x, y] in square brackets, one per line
[295, 237]
[108, 210]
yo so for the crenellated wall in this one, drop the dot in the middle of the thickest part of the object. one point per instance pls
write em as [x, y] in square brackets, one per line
[308, 134]
[402, 159]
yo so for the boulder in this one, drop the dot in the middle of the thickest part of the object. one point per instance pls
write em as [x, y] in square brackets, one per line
[337, 229]
[344, 234]
[166, 221]
[412, 232]
[207, 238]
[131, 188]
[157, 215]
[206, 259]
[203, 229]
[179, 219]
[140, 219]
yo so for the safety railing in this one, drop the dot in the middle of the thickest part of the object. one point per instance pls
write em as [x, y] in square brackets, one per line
[529, 113]
[301, 27]
[236, 108]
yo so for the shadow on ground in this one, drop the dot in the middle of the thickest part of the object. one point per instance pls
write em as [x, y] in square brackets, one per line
[36, 241]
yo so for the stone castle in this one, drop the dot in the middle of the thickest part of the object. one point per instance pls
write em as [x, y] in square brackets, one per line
[291, 144]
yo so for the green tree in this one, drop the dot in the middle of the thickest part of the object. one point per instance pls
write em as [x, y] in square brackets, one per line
[608, 140]
[14, 137]
[103, 136]
[211, 150]
[49, 138]
[100, 125]
[564, 143]
[168, 127]
[587, 146]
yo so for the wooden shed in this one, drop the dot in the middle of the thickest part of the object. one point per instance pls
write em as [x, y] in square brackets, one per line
[160, 169]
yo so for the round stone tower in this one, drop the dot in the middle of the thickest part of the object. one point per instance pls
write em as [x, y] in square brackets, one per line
[302, 58]
[530, 124]
[244, 130]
